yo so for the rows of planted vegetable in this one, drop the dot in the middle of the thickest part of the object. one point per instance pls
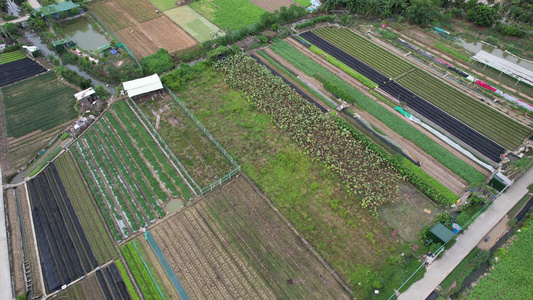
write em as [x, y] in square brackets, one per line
[362, 171]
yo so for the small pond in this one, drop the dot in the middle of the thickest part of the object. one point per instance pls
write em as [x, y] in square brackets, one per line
[474, 46]
[87, 37]
[174, 205]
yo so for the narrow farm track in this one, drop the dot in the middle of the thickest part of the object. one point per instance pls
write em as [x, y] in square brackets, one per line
[429, 164]
[353, 82]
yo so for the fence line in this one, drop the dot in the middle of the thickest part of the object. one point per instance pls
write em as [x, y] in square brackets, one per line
[148, 269]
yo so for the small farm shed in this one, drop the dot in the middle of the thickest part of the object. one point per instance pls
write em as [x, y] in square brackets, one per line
[60, 45]
[143, 86]
[54, 10]
[440, 233]
[32, 50]
[86, 98]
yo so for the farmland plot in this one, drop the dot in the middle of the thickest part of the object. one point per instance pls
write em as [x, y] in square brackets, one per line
[106, 283]
[11, 56]
[229, 14]
[19, 70]
[272, 5]
[129, 176]
[141, 28]
[473, 113]
[15, 242]
[192, 22]
[26, 110]
[199, 155]
[231, 244]
[64, 250]
[83, 203]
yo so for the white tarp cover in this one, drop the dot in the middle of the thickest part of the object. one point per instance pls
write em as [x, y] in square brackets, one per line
[504, 66]
[84, 93]
[143, 85]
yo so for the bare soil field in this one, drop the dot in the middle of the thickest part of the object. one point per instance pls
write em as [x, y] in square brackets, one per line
[272, 5]
[119, 14]
[231, 244]
[146, 38]
[15, 239]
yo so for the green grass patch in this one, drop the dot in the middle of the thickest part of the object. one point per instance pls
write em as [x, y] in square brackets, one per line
[232, 14]
[164, 4]
[194, 23]
[127, 280]
[460, 270]
[304, 3]
[10, 57]
[512, 276]
[26, 110]
[512, 213]
[453, 52]
[394, 122]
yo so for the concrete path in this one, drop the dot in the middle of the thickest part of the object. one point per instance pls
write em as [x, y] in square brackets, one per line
[440, 269]
[19, 20]
[5, 272]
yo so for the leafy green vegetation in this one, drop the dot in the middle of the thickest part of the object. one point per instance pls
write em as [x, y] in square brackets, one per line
[455, 53]
[127, 280]
[229, 14]
[394, 122]
[45, 161]
[512, 276]
[26, 110]
[461, 271]
[157, 63]
[11, 56]
[164, 4]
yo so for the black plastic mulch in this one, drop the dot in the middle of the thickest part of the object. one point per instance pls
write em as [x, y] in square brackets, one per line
[19, 70]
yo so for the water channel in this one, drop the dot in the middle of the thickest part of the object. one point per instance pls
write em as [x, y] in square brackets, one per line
[475, 46]
[36, 40]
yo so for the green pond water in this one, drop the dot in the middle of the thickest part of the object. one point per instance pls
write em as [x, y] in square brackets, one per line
[174, 205]
[83, 33]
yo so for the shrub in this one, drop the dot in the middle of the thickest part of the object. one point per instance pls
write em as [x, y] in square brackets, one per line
[157, 63]
[73, 77]
[480, 257]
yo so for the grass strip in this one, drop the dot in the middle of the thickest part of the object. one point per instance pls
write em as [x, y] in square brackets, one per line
[127, 280]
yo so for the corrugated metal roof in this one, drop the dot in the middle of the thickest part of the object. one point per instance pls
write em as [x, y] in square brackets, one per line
[504, 66]
[442, 232]
[143, 85]
[59, 7]
[84, 93]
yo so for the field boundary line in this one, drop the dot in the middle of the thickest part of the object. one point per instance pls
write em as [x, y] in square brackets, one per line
[306, 243]
[148, 269]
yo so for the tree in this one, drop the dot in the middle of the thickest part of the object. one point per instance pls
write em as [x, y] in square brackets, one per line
[482, 15]
[157, 63]
[11, 30]
[422, 12]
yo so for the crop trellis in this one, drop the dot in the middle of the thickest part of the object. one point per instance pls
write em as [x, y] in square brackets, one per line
[198, 190]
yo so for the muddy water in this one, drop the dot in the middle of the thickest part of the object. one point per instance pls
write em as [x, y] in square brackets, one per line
[36, 40]
[475, 46]
[83, 33]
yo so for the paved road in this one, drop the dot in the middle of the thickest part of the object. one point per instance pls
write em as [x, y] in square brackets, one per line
[438, 271]
[34, 3]
[5, 273]
[21, 19]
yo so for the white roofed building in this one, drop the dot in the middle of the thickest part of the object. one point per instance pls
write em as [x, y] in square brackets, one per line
[143, 85]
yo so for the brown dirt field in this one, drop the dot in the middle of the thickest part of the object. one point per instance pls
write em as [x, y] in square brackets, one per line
[353, 82]
[231, 245]
[150, 256]
[146, 38]
[272, 5]
[86, 289]
[430, 165]
[495, 234]
[17, 255]
[37, 283]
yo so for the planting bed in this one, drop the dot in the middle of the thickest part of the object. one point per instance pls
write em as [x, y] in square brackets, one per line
[128, 174]
[233, 245]
[143, 271]
[229, 14]
[469, 111]
[26, 110]
[194, 23]
[83, 203]
[19, 70]
[272, 5]
[64, 249]
[199, 155]
[11, 56]
[14, 240]
[106, 283]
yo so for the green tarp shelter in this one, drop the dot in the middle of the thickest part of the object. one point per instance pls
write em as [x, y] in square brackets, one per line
[440, 233]
[57, 8]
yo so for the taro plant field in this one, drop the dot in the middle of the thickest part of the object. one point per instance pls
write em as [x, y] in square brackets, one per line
[65, 252]
[311, 68]
[468, 110]
[84, 204]
[362, 171]
[204, 161]
[129, 175]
